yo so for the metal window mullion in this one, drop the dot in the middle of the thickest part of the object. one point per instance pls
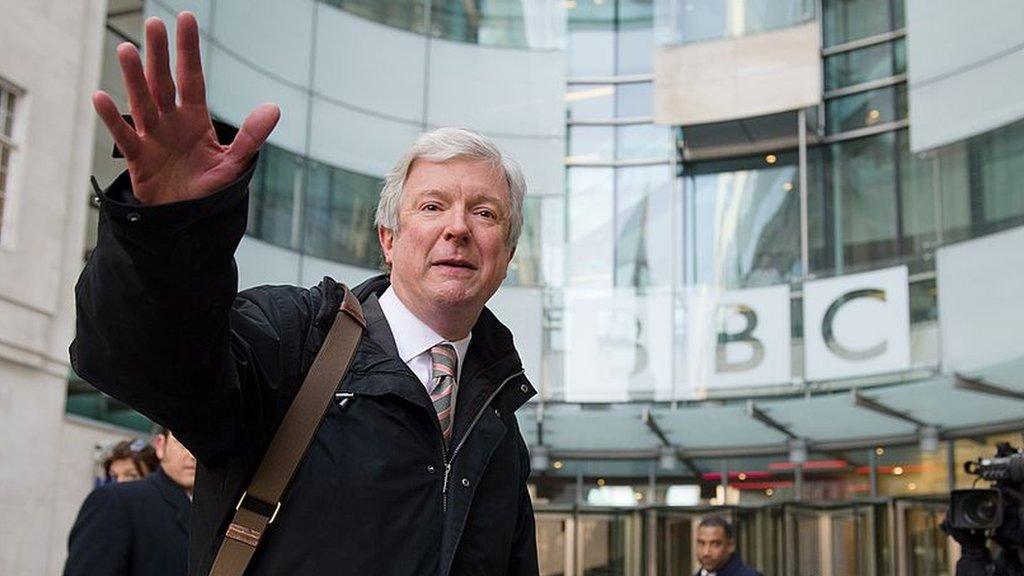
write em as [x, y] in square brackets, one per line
[624, 79]
[864, 42]
[627, 121]
[865, 86]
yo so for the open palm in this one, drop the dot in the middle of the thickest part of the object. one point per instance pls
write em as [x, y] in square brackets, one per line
[172, 150]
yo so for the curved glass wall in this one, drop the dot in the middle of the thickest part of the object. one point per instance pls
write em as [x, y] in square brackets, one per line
[701, 20]
[507, 23]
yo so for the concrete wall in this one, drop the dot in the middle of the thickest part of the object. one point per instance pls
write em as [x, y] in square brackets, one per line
[50, 54]
[736, 78]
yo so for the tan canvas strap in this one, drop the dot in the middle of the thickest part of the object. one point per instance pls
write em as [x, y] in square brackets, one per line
[260, 503]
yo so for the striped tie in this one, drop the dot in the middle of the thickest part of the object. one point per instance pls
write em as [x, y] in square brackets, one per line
[443, 393]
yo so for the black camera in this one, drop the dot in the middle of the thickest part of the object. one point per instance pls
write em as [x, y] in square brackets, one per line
[982, 509]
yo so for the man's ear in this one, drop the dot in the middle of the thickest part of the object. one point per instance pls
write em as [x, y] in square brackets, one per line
[160, 443]
[387, 242]
[512, 253]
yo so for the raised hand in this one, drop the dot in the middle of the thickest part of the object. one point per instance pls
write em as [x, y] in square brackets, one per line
[172, 152]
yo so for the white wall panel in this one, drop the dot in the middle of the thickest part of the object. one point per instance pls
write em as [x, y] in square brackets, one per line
[980, 285]
[369, 65]
[540, 159]
[163, 8]
[496, 90]
[236, 89]
[965, 62]
[272, 34]
[260, 263]
[356, 141]
[314, 269]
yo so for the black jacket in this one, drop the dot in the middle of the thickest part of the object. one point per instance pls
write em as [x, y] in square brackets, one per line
[734, 567]
[161, 327]
[133, 528]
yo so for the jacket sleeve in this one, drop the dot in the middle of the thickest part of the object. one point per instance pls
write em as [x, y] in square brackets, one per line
[523, 561]
[100, 540]
[160, 325]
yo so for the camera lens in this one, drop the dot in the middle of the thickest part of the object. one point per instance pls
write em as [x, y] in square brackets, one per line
[980, 509]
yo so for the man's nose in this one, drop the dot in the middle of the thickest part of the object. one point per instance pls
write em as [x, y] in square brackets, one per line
[456, 226]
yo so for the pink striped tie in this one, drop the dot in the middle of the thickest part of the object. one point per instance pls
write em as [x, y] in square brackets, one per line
[442, 395]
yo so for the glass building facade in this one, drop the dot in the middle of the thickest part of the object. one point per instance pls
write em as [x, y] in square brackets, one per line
[626, 219]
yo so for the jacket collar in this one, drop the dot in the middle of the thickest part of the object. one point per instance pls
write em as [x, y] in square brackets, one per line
[174, 495]
[490, 360]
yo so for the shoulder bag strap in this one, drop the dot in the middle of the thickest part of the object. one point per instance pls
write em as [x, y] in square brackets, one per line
[260, 503]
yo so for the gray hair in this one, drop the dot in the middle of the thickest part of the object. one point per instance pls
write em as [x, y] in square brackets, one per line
[446, 144]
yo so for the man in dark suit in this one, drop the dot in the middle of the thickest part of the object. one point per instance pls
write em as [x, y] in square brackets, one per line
[716, 550]
[137, 528]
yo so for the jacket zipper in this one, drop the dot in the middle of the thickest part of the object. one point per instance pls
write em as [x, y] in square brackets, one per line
[449, 459]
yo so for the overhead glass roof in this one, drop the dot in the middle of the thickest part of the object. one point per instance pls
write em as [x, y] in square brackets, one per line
[991, 401]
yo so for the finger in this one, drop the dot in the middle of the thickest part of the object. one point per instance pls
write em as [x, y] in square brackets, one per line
[124, 135]
[158, 65]
[191, 84]
[139, 100]
[254, 132]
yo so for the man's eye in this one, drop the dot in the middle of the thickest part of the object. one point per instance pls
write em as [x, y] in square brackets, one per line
[487, 214]
[431, 207]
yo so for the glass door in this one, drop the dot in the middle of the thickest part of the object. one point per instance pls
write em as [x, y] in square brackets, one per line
[554, 543]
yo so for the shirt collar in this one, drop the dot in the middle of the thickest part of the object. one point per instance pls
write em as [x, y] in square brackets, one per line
[412, 336]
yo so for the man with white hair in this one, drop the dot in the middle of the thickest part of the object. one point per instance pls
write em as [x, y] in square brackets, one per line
[423, 470]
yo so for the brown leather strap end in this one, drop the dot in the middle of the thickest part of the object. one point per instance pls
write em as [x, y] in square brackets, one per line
[350, 305]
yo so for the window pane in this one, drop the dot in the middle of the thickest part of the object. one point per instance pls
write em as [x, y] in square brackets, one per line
[867, 109]
[592, 143]
[271, 196]
[6, 111]
[590, 234]
[634, 100]
[525, 268]
[636, 49]
[746, 222]
[643, 249]
[591, 102]
[846, 20]
[917, 194]
[592, 39]
[643, 141]
[857, 66]
[863, 179]
[997, 166]
[339, 209]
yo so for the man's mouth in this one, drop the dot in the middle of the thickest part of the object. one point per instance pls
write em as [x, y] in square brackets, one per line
[455, 263]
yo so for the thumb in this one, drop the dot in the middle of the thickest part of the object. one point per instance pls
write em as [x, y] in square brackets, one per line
[254, 132]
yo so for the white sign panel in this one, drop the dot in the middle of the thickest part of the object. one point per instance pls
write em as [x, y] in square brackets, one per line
[737, 338]
[857, 325]
[618, 345]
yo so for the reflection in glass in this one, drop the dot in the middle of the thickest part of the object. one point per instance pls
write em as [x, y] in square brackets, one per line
[846, 20]
[863, 184]
[745, 222]
[488, 22]
[643, 250]
[604, 545]
[590, 101]
[863, 65]
[271, 192]
[685, 21]
[635, 99]
[866, 109]
[591, 143]
[591, 239]
[339, 211]
[525, 268]
[644, 141]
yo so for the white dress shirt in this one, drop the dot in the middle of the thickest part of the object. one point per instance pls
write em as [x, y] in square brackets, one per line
[414, 339]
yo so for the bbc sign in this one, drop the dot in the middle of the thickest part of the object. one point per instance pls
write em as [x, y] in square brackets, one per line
[630, 347]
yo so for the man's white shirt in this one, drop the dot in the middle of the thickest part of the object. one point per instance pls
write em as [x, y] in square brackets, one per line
[414, 339]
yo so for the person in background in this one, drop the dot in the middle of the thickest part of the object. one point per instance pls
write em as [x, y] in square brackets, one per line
[137, 528]
[716, 550]
[130, 460]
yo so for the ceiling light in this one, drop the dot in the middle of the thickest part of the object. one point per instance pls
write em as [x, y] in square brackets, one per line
[911, 486]
[879, 451]
[788, 186]
[769, 492]
[557, 464]
[771, 158]
[742, 476]
[873, 116]
[600, 482]
[898, 471]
